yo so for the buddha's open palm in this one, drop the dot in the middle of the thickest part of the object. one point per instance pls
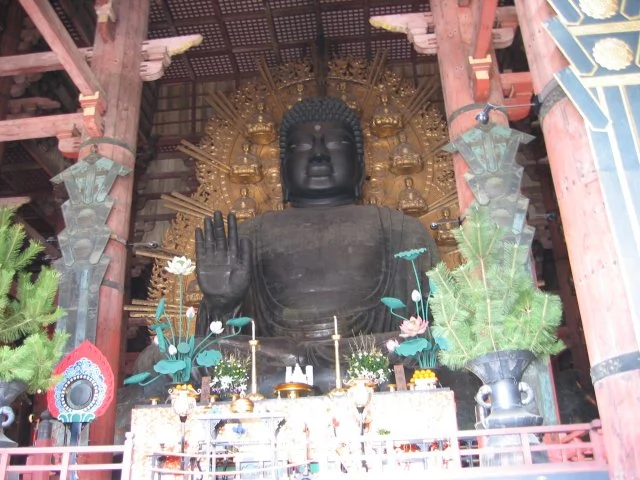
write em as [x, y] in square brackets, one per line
[223, 263]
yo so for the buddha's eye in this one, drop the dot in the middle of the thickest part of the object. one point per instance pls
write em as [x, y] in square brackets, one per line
[338, 143]
[300, 147]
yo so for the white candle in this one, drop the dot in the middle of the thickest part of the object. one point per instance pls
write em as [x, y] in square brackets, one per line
[335, 325]
[253, 330]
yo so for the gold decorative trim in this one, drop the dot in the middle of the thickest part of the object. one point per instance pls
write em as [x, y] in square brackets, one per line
[612, 54]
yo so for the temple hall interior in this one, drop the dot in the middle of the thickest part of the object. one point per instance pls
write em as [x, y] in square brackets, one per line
[426, 230]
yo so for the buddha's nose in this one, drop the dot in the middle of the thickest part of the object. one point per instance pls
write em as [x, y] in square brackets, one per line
[320, 153]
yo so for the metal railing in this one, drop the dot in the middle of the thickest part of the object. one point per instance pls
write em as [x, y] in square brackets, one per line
[559, 451]
[41, 462]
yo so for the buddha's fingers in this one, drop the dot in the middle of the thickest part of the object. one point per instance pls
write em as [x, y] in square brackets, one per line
[233, 236]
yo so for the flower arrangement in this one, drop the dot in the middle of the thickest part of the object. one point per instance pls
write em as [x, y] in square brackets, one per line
[419, 342]
[178, 344]
[366, 361]
[230, 375]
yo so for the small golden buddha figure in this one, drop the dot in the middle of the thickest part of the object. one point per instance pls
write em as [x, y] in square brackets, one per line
[410, 201]
[386, 119]
[261, 127]
[298, 95]
[404, 159]
[246, 168]
[347, 97]
[245, 206]
[444, 226]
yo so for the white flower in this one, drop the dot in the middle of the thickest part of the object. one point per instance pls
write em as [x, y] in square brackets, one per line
[172, 350]
[180, 266]
[415, 296]
[392, 344]
[191, 313]
[216, 327]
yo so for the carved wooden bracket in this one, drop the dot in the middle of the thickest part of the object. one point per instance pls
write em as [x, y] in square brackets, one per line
[481, 68]
[517, 89]
[417, 27]
[157, 55]
[106, 19]
[93, 108]
[69, 143]
[156, 59]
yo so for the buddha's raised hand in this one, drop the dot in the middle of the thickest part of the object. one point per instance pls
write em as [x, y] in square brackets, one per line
[223, 264]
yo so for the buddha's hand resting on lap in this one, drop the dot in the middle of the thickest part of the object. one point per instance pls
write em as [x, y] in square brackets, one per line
[223, 264]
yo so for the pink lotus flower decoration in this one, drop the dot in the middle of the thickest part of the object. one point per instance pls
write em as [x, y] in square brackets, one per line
[413, 327]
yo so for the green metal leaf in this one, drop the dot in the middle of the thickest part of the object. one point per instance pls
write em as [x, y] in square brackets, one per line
[184, 347]
[160, 309]
[432, 287]
[208, 358]
[159, 326]
[137, 378]
[186, 373]
[392, 302]
[410, 347]
[169, 366]
[442, 342]
[239, 322]
[162, 342]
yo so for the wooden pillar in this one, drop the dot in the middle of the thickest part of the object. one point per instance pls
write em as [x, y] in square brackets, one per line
[604, 303]
[452, 25]
[116, 65]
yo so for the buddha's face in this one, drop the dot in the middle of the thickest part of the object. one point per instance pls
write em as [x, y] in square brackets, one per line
[321, 164]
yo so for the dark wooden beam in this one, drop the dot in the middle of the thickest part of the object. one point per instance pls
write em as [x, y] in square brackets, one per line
[49, 159]
[81, 19]
[49, 25]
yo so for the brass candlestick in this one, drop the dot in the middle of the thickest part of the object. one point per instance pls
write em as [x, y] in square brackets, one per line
[338, 389]
[254, 395]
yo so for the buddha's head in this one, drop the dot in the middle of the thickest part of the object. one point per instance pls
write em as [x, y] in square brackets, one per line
[321, 153]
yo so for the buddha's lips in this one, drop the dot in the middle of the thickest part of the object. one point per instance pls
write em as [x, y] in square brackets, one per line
[321, 170]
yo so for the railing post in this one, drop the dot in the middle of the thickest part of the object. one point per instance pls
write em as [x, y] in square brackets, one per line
[64, 465]
[4, 461]
[597, 441]
[127, 456]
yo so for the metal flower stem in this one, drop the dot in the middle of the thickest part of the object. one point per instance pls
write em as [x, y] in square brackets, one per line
[422, 311]
[180, 311]
[336, 343]
[254, 370]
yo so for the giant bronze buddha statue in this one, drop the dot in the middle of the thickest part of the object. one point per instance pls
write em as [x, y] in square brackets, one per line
[325, 255]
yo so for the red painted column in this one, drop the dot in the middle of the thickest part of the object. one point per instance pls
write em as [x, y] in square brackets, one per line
[453, 29]
[603, 301]
[116, 65]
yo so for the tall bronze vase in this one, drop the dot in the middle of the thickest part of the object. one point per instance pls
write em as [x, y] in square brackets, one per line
[9, 391]
[504, 396]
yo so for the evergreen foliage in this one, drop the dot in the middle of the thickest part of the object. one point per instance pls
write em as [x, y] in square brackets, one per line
[27, 307]
[490, 302]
